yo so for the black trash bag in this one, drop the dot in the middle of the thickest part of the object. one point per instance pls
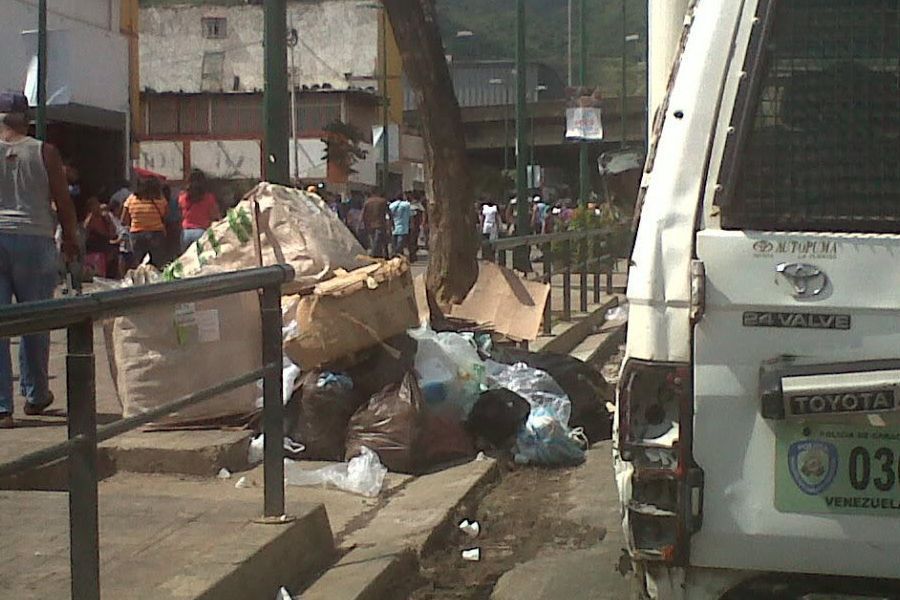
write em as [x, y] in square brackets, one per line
[497, 417]
[383, 365]
[392, 426]
[318, 413]
[584, 385]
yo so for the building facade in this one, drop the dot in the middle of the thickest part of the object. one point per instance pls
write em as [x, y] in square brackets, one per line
[202, 81]
[91, 44]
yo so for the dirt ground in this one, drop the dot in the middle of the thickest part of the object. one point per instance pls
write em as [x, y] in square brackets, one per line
[518, 520]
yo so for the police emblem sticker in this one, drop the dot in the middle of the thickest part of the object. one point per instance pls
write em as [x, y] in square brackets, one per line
[813, 465]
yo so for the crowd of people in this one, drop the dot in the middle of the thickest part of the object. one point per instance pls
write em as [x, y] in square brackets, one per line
[144, 221]
[543, 217]
[384, 227]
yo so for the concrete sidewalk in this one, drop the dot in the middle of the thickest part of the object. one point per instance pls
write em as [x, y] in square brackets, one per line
[161, 546]
[168, 537]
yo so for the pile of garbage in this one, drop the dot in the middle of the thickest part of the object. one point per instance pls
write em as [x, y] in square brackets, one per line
[368, 383]
[414, 401]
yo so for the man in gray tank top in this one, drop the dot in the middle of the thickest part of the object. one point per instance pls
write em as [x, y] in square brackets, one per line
[32, 182]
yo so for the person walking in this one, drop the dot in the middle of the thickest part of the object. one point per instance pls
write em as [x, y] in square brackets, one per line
[401, 214]
[490, 228]
[415, 226]
[199, 209]
[145, 216]
[100, 239]
[32, 181]
[375, 221]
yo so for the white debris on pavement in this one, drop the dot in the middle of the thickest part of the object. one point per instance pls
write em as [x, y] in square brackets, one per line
[472, 555]
[224, 474]
[470, 528]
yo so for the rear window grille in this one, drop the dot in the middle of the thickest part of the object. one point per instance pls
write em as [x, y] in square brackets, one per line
[824, 150]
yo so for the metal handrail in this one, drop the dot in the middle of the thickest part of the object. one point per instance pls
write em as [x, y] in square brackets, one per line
[77, 315]
[499, 251]
[538, 239]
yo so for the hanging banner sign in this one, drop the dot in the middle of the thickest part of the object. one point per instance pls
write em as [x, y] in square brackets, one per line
[584, 124]
[584, 115]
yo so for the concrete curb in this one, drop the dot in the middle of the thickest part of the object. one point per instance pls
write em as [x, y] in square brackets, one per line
[610, 344]
[386, 552]
[574, 333]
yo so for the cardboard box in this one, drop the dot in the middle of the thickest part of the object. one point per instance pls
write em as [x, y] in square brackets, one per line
[509, 304]
[353, 312]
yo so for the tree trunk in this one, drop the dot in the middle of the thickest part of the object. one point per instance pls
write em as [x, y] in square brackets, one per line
[453, 248]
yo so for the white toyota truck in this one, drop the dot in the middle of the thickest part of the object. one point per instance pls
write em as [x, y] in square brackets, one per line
[757, 437]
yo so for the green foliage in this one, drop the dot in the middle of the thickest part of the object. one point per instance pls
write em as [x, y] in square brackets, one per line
[606, 216]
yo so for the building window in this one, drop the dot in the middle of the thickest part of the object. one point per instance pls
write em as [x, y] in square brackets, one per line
[215, 28]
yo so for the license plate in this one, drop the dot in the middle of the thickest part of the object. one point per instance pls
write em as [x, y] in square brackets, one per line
[837, 469]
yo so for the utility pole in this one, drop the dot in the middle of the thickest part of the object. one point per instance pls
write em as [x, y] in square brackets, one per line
[41, 120]
[624, 102]
[584, 173]
[523, 213]
[275, 104]
[385, 114]
[506, 128]
[570, 74]
[293, 39]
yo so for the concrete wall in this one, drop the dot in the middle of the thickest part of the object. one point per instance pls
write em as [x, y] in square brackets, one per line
[338, 45]
[88, 55]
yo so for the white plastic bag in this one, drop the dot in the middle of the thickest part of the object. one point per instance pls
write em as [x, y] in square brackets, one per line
[363, 475]
[451, 372]
[536, 386]
[290, 373]
[618, 313]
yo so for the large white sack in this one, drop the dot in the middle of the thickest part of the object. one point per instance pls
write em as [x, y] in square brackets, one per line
[163, 353]
[295, 228]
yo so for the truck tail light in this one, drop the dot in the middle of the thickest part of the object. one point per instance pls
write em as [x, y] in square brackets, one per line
[656, 410]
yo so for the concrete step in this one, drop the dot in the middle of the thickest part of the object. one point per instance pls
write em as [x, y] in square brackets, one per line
[603, 344]
[201, 453]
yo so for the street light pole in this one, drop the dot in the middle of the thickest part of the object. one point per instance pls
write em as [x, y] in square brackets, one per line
[385, 114]
[624, 102]
[293, 38]
[275, 105]
[584, 173]
[505, 84]
[41, 117]
[506, 129]
[522, 213]
[569, 71]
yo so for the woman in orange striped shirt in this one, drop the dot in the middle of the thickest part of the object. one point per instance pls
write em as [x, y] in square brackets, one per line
[145, 216]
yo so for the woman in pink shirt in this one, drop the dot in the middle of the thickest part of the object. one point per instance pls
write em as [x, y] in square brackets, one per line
[199, 209]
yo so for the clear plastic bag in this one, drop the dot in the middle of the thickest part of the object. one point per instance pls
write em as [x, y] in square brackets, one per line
[363, 475]
[451, 372]
[536, 386]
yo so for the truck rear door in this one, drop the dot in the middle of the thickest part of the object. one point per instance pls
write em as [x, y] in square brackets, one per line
[797, 355]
